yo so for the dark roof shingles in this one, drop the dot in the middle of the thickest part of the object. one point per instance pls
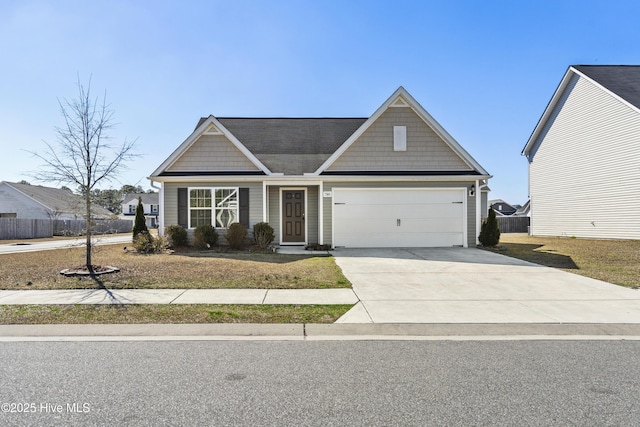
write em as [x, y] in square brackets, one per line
[623, 80]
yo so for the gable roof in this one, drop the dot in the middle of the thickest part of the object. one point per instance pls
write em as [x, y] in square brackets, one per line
[303, 146]
[402, 98]
[57, 199]
[621, 81]
[147, 198]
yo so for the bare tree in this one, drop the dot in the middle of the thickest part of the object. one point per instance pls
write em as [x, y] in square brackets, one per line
[84, 155]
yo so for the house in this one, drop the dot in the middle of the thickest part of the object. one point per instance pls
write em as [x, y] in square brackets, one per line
[584, 156]
[21, 200]
[395, 179]
[149, 206]
[502, 208]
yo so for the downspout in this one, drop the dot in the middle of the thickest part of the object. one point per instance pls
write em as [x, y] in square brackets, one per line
[160, 206]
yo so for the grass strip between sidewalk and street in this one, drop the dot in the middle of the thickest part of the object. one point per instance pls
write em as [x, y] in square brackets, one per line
[169, 313]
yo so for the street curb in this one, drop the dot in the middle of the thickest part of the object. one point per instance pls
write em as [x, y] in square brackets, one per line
[302, 331]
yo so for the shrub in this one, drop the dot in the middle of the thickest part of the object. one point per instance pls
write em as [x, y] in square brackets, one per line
[236, 235]
[145, 243]
[489, 231]
[204, 237]
[177, 236]
[263, 234]
[140, 223]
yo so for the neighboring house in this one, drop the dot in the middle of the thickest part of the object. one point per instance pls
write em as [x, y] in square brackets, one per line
[395, 179]
[584, 156]
[502, 208]
[149, 205]
[37, 202]
[524, 210]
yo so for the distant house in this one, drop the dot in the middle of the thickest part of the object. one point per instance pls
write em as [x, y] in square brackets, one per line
[18, 200]
[584, 156]
[394, 179]
[502, 208]
[524, 210]
[149, 204]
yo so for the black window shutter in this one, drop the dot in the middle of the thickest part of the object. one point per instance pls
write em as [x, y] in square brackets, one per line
[243, 205]
[183, 207]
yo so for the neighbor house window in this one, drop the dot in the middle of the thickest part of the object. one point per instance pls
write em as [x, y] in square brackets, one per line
[154, 208]
[132, 209]
[213, 206]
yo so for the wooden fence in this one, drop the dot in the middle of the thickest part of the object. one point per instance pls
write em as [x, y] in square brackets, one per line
[513, 224]
[21, 228]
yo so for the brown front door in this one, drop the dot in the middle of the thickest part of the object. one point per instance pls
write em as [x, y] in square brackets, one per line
[293, 216]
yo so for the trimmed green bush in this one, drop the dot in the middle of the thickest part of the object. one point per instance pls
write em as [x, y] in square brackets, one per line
[145, 243]
[140, 223]
[263, 234]
[489, 231]
[204, 237]
[177, 236]
[236, 235]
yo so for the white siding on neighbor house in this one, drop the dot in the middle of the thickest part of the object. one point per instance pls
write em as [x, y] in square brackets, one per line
[12, 201]
[374, 150]
[212, 153]
[585, 172]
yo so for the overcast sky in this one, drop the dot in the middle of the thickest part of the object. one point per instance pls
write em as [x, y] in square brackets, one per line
[485, 70]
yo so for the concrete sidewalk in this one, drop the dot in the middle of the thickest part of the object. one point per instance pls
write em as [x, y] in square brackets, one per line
[180, 296]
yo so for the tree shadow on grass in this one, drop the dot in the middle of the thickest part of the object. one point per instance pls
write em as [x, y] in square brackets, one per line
[530, 252]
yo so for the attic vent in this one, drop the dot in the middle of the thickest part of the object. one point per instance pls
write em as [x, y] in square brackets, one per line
[212, 130]
[399, 102]
[399, 138]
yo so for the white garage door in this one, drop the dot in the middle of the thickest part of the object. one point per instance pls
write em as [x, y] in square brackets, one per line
[392, 217]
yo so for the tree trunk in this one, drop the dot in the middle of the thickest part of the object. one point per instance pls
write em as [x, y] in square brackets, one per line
[89, 231]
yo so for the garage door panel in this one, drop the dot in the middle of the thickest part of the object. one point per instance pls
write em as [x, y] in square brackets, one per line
[399, 217]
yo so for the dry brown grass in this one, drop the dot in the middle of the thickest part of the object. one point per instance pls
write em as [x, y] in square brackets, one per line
[614, 261]
[197, 313]
[205, 270]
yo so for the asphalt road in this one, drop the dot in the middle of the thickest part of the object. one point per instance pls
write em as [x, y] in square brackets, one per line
[326, 383]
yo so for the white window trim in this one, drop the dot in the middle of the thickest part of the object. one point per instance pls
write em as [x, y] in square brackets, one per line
[213, 204]
[399, 138]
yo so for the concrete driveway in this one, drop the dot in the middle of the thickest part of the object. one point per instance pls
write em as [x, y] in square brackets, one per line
[465, 285]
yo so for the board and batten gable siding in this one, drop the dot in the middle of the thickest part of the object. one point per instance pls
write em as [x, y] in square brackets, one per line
[470, 200]
[170, 209]
[373, 150]
[584, 168]
[212, 153]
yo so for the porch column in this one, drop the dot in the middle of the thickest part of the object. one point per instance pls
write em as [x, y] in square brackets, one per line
[265, 198]
[320, 214]
[478, 195]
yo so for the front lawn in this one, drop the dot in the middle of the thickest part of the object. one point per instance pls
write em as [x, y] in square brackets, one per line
[186, 270]
[614, 261]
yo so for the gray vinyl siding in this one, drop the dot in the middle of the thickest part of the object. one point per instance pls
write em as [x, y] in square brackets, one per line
[471, 202]
[212, 153]
[373, 150]
[274, 211]
[170, 209]
[584, 172]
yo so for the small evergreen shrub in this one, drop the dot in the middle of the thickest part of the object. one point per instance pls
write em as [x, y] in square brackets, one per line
[263, 234]
[489, 231]
[236, 235]
[177, 236]
[140, 223]
[204, 237]
[145, 243]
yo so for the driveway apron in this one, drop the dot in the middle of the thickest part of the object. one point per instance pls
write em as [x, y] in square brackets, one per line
[468, 285]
